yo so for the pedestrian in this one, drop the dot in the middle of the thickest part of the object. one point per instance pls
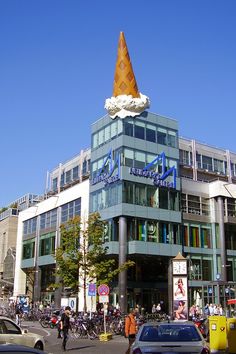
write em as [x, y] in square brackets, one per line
[65, 326]
[19, 313]
[130, 328]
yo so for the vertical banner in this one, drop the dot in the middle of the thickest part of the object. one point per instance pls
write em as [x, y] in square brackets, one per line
[180, 297]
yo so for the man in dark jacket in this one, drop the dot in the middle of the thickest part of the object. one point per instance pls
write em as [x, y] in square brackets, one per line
[65, 326]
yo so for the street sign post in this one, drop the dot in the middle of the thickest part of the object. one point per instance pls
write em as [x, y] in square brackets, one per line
[103, 292]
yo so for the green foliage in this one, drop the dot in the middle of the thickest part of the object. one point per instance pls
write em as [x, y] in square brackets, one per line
[82, 256]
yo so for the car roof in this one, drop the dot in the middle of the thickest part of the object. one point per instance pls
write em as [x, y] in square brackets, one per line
[175, 323]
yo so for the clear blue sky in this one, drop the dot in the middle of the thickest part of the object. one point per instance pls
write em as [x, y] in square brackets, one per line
[57, 61]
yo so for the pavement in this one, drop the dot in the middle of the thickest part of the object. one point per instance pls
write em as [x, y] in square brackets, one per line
[117, 345]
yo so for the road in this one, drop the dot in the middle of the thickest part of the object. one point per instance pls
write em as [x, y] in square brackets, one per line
[117, 345]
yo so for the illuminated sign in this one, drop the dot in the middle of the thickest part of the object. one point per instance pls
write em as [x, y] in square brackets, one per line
[159, 179]
[110, 170]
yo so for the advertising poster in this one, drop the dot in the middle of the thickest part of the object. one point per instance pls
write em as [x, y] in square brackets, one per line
[180, 298]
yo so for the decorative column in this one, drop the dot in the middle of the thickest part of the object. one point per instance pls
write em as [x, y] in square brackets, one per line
[220, 203]
[122, 260]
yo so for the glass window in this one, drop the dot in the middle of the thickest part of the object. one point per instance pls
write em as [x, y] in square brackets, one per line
[128, 128]
[140, 194]
[128, 192]
[28, 249]
[219, 166]
[172, 138]
[163, 232]
[119, 127]
[107, 132]
[163, 198]
[68, 176]
[152, 197]
[186, 157]
[75, 172]
[206, 237]
[139, 130]
[70, 210]
[128, 157]
[194, 236]
[84, 167]
[100, 137]
[113, 129]
[141, 230]
[161, 136]
[151, 133]
[54, 184]
[47, 244]
[174, 200]
[207, 163]
[140, 159]
[95, 140]
[152, 229]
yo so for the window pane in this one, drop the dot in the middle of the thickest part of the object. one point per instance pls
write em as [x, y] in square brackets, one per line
[161, 136]
[107, 133]
[113, 129]
[151, 133]
[140, 159]
[128, 157]
[128, 128]
[139, 130]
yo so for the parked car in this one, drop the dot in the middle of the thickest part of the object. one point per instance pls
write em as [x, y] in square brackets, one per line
[11, 333]
[169, 337]
[14, 348]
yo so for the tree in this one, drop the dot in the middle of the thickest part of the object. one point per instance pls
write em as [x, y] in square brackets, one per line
[82, 256]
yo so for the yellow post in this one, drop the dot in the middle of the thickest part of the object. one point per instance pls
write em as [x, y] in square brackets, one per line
[218, 333]
[231, 334]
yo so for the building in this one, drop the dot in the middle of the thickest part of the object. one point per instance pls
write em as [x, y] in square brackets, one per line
[160, 194]
[8, 232]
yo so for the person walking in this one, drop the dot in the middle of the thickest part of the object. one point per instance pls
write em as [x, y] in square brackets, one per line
[130, 328]
[65, 326]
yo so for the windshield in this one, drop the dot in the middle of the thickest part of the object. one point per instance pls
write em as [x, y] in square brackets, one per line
[169, 333]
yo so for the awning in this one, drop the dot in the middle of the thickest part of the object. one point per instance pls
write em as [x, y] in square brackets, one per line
[231, 301]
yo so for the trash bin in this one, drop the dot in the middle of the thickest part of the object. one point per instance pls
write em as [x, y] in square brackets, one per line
[231, 334]
[218, 333]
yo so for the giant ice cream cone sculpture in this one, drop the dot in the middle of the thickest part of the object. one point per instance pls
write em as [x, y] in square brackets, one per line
[126, 100]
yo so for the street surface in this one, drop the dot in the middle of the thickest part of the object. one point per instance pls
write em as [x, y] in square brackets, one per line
[117, 345]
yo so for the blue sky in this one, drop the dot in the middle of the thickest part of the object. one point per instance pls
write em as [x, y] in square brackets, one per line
[57, 61]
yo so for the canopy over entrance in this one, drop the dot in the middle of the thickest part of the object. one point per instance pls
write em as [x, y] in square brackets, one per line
[231, 301]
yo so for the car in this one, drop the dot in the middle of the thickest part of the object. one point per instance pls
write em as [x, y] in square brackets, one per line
[169, 337]
[14, 348]
[11, 333]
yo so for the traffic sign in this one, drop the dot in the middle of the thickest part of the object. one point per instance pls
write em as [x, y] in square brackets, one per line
[103, 299]
[92, 289]
[103, 290]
